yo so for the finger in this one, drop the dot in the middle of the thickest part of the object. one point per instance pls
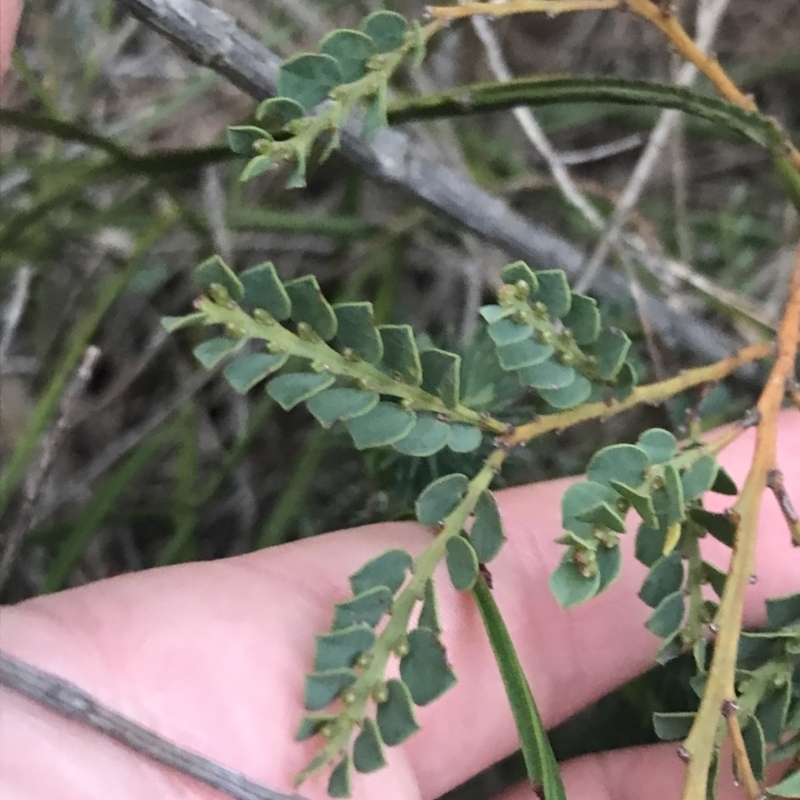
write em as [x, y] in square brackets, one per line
[636, 773]
[213, 655]
[9, 19]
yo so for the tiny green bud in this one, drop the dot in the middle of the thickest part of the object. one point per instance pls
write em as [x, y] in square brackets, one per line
[401, 647]
[272, 347]
[406, 402]
[218, 293]
[506, 295]
[306, 332]
[326, 731]
[262, 316]
[350, 355]
[364, 660]
[318, 366]
[540, 309]
[234, 331]
[349, 697]
[522, 289]
[380, 693]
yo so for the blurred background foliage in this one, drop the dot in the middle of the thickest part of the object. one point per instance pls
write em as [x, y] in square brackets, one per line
[114, 183]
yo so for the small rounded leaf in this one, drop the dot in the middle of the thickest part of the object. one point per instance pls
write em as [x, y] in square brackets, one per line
[212, 351]
[549, 375]
[382, 425]
[245, 372]
[366, 608]
[428, 436]
[308, 79]
[310, 306]
[425, 669]
[463, 438]
[670, 727]
[385, 28]
[389, 569]
[275, 112]
[242, 139]
[667, 617]
[525, 354]
[700, 477]
[439, 498]
[340, 783]
[429, 615]
[257, 166]
[294, 387]
[570, 587]
[341, 403]
[342, 648]
[660, 445]
[486, 533]
[625, 463]
[665, 578]
[569, 396]
[264, 289]
[395, 717]
[322, 688]
[368, 755]
[352, 51]
[609, 562]
[215, 270]
[462, 563]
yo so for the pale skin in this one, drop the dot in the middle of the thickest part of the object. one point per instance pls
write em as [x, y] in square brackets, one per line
[213, 655]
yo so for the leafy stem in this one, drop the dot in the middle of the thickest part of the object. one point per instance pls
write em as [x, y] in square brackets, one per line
[262, 327]
[392, 638]
[651, 393]
[720, 689]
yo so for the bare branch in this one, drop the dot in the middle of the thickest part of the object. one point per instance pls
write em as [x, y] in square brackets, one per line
[70, 701]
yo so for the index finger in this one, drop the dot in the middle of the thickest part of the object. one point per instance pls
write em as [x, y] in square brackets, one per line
[213, 656]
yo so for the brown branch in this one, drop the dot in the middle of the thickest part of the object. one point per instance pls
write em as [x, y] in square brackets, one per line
[70, 701]
[744, 771]
[720, 687]
[778, 487]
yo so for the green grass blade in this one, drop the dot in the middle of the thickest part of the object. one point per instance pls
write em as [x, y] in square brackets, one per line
[540, 762]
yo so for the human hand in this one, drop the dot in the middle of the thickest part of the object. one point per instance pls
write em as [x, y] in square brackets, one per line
[213, 655]
[9, 19]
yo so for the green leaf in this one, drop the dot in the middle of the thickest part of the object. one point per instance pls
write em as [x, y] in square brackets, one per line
[755, 747]
[309, 306]
[676, 503]
[520, 271]
[311, 725]
[699, 478]
[264, 289]
[294, 387]
[352, 51]
[650, 544]
[611, 350]
[673, 726]
[582, 497]
[783, 611]
[368, 755]
[625, 383]
[462, 563]
[255, 167]
[429, 615]
[276, 112]
[366, 608]
[400, 354]
[425, 670]
[388, 569]
[380, 426]
[441, 497]
[385, 28]
[395, 717]
[667, 617]
[583, 319]
[242, 138]
[624, 463]
[660, 445]
[486, 533]
[570, 587]
[322, 688]
[605, 516]
[568, 396]
[664, 579]
[342, 648]
[463, 438]
[540, 763]
[548, 374]
[724, 484]
[553, 291]
[441, 375]
[715, 578]
[215, 270]
[245, 372]
[492, 312]
[308, 79]
[642, 503]
[527, 353]
[609, 562]
[718, 525]
[505, 331]
[212, 351]
[428, 436]
[357, 331]
[171, 324]
[756, 648]
[340, 403]
[772, 709]
[340, 783]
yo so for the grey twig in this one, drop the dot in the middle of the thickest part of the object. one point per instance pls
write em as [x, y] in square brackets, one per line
[70, 701]
[213, 39]
[12, 313]
[39, 471]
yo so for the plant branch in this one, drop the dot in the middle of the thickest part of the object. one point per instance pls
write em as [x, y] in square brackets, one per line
[652, 393]
[744, 771]
[72, 702]
[720, 687]
[212, 38]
